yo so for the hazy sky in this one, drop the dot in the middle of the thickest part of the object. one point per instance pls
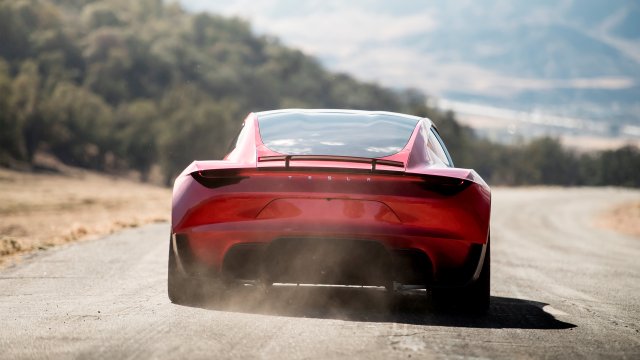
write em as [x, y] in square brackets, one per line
[429, 44]
[356, 36]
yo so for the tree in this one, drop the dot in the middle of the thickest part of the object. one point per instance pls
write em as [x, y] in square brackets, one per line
[26, 120]
[11, 146]
[80, 125]
[137, 125]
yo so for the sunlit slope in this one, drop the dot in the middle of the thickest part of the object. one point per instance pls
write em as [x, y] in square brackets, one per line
[38, 211]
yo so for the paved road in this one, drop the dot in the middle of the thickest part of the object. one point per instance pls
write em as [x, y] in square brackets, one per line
[560, 289]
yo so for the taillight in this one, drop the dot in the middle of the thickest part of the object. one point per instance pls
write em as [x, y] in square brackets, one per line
[218, 178]
[444, 185]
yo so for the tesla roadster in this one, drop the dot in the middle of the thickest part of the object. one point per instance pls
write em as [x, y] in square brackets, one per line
[338, 197]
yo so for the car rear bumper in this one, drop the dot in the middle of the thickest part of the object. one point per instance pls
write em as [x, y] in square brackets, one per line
[279, 250]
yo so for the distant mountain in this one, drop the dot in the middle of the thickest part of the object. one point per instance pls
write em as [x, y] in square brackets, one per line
[578, 58]
[569, 57]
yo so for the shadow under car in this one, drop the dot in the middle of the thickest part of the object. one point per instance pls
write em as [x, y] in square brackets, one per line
[371, 304]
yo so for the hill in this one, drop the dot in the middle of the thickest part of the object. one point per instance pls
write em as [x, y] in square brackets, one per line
[112, 85]
[120, 86]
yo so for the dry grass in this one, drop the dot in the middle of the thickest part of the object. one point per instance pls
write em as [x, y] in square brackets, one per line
[38, 211]
[623, 218]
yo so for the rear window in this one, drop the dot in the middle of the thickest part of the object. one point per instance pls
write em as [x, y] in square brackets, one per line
[335, 133]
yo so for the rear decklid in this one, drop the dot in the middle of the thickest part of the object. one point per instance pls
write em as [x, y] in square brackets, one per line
[443, 202]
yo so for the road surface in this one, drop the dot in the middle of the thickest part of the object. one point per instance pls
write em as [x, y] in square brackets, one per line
[561, 288]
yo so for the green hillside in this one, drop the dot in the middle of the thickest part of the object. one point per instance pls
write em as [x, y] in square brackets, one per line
[126, 85]
[116, 84]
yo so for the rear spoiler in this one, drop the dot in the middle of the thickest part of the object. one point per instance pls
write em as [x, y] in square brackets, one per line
[351, 159]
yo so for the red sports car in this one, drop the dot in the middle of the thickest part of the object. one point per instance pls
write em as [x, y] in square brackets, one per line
[337, 197]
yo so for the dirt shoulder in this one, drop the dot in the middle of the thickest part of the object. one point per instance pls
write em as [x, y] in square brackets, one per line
[624, 218]
[38, 211]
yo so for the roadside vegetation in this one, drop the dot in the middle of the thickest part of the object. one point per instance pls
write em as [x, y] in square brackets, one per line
[122, 85]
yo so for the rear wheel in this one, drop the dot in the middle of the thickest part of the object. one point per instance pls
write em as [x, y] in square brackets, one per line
[180, 288]
[472, 298]
[183, 289]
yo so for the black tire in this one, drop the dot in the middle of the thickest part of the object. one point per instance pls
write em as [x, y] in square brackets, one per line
[473, 298]
[180, 288]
